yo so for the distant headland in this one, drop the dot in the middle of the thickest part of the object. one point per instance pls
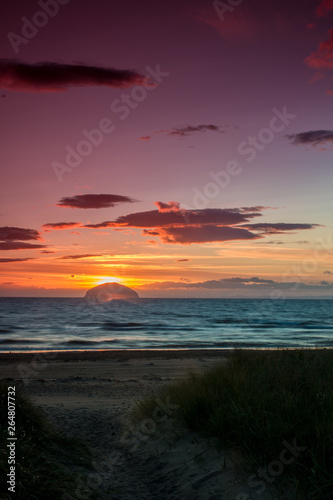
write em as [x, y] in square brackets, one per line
[110, 291]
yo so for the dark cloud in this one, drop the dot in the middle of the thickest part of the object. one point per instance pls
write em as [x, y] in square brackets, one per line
[94, 201]
[183, 260]
[323, 57]
[47, 251]
[61, 225]
[279, 227]
[18, 233]
[175, 225]
[15, 260]
[55, 77]
[80, 256]
[257, 208]
[189, 130]
[14, 238]
[324, 8]
[328, 272]
[205, 234]
[156, 218]
[18, 245]
[313, 137]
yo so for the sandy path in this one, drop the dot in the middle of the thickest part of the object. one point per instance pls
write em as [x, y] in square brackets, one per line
[92, 400]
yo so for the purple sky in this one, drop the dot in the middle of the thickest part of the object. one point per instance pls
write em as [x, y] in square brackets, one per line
[145, 117]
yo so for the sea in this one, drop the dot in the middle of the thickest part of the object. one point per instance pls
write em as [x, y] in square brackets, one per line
[41, 324]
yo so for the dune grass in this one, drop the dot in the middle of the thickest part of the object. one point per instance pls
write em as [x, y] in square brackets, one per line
[48, 463]
[258, 400]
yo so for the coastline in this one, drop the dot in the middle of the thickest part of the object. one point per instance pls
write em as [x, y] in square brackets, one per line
[102, 354]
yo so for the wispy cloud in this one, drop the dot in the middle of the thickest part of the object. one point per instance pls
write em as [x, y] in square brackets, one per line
[323, 57]
[18, 245]
[325, 7]
[278, 228]
[55, 77]
[312, 137]
[94, 201]
[61, 225]
[79, 256]
[15, 260]
[238, 24]
[190, 130]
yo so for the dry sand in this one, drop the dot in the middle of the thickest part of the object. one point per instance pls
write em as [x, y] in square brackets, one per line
[90, 395]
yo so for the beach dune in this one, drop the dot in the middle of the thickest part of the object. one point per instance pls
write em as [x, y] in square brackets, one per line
[90, 395]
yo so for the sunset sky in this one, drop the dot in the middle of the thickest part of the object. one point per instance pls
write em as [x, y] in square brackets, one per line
[181, 148]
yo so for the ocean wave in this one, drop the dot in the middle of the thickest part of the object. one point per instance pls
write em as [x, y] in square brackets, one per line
[19, 341]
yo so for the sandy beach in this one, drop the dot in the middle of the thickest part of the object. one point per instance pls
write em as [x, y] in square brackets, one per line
[90, 394]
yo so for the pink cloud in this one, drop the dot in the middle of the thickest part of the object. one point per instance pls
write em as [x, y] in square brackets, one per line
[311, 26]
[236, 25]
[316, 77]
[61, 225]
[171, 206]
[323, 57]
[324, 8]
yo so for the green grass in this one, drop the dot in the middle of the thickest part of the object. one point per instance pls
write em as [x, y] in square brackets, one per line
[48, 463]
[255, 401]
